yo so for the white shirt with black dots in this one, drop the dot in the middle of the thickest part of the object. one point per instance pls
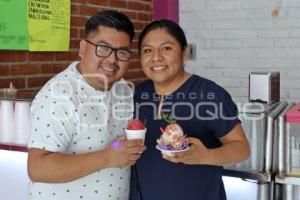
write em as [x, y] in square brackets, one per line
[70, 116]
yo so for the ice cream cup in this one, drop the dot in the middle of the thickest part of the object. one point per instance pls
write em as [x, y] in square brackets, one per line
[135, 134]
[170, 152]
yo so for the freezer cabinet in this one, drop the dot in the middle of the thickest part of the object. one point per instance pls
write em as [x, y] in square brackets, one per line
[258, 121]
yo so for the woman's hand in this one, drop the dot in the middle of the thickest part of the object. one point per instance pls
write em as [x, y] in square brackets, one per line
[197, 154]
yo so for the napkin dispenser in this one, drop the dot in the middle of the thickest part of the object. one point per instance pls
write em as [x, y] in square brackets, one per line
[264, 87]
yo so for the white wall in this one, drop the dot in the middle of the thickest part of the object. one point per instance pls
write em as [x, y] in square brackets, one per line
[13, 175]
[235, 37]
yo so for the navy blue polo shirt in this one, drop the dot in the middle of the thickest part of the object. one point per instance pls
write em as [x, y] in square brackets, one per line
[205, 111]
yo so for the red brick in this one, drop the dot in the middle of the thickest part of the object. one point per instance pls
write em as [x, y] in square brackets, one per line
[52, 68]
[74, 44]
[137, 34]
[4, 70]
[134, 65]
[134, 55]
[131, 15]
[75, 9]
[74, 33]
[17, 82]
[139, 25]
[134, 74]
[89, 11]
[134, 44]
[41, 56]
[135, 5]
[79, 1]
[70, 56]
[118, 3]
[26, 93]
[143, 17]
[99, 2]
[25, 69]
[12, 56]
[77, 21]
[136, 82]
[81, 33]
[37, 81]
[148, 7]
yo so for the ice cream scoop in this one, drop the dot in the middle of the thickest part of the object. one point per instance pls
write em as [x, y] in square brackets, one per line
[135, 130]
[172, 138]
[135, 124]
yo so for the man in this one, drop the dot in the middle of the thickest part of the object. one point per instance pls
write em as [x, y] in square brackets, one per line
[74, 148]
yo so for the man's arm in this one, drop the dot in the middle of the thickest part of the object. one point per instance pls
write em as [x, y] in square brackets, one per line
[54, 167]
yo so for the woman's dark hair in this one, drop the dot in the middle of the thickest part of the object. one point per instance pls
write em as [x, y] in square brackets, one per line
[111, 19]
[171, 27]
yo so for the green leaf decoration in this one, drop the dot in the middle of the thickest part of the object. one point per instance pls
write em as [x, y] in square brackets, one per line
[168, 118]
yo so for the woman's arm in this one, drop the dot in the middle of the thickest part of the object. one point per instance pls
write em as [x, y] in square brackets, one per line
[235, 149]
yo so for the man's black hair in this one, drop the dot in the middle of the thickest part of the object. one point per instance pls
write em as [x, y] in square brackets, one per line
[111, 19]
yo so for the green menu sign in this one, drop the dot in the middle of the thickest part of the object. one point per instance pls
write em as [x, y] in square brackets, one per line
[13, 24]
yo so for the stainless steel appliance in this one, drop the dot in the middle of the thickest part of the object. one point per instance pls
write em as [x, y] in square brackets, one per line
[287, 178]
[259, 123]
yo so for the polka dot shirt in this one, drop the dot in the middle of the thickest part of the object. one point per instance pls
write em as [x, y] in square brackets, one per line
[70, 116]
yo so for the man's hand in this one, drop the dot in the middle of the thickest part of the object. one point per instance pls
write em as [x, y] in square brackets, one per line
[55, 167]
[124, 153]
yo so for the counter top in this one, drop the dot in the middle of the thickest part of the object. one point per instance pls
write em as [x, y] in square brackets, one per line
[13, 147]
[255, 176]
[291, 180]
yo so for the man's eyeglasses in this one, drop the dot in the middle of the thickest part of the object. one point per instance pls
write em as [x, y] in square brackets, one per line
[104, 51]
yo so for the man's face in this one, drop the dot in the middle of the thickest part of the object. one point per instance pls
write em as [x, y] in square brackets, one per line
[101, 72]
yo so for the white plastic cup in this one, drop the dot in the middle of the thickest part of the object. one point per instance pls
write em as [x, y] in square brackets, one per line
[170, 152]
[6, 121]
[135, 134]
[22, 122]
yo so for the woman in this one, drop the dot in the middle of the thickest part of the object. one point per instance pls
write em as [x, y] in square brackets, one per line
[204, 110]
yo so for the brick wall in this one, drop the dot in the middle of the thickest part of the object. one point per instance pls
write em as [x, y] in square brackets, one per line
[235, 37]
[28, 71]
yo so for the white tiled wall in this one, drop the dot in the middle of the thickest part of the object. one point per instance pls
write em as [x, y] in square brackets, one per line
[235, 37]
[13, 175]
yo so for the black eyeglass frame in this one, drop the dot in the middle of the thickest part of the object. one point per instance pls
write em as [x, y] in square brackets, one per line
[111, 50]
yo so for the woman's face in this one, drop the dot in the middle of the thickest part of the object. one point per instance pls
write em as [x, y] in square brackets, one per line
[162, 58]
